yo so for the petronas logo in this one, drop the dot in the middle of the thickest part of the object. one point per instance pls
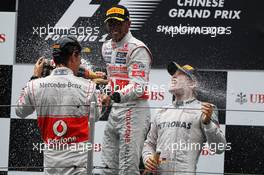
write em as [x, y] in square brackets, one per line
[241, 98]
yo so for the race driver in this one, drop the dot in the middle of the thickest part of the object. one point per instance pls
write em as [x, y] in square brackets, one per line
[128, 64]
[61, 101]
[180, 131]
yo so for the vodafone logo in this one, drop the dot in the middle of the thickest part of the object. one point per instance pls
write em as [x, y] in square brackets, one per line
[60, 128]
[2, 38]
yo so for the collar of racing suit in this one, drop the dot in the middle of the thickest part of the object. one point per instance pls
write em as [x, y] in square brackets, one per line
[61, 71]
[182, 103]
[123, 41]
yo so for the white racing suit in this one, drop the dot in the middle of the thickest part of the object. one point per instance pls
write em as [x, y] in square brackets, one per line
[128, 65]
[179, 134]
[61, 101]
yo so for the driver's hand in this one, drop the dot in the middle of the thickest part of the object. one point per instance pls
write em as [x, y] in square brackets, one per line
[38, 69]
[151, 164]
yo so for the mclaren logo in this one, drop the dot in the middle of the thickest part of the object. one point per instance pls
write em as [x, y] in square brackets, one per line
[60, 128]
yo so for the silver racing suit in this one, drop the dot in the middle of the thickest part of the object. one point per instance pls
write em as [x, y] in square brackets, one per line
[128, 65]
[61, 101]
[178, 133]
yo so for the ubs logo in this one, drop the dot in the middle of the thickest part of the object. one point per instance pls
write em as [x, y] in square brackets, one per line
[60, 128]
[241, 98]
[2, 38]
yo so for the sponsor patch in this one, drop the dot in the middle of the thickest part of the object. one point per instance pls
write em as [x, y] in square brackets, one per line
[138, 66]
[121, 54]
[120, 60]
[60, 72]
[115, 10]
[138, 73]
[175, 124]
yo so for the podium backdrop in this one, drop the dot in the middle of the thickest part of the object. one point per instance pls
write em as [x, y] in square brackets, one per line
[223, 38]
